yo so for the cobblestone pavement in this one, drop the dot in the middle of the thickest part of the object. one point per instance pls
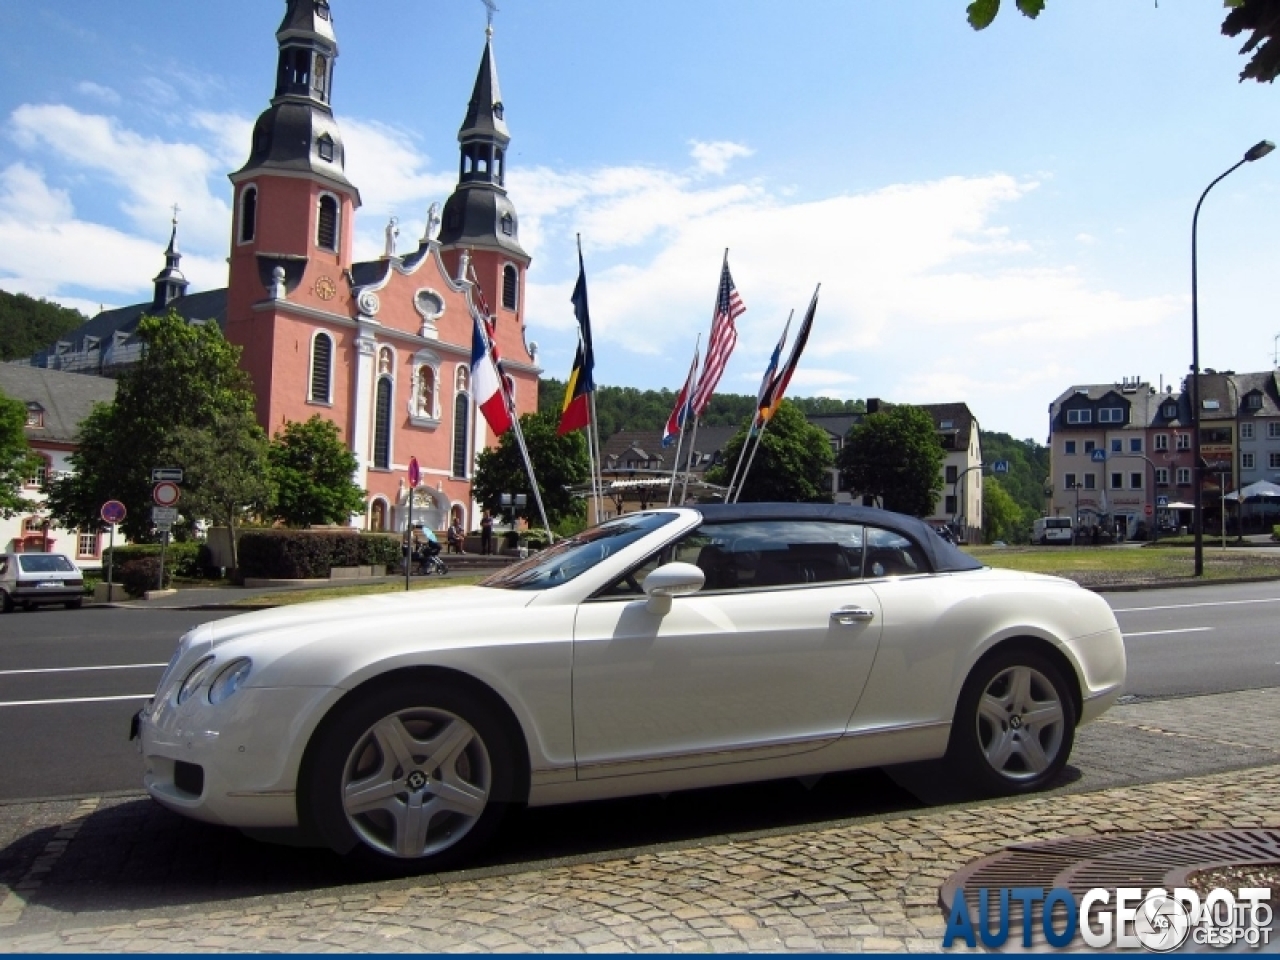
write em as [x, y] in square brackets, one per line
[863, 884]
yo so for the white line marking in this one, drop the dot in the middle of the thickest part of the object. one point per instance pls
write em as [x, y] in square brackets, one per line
[1189, 606]
[37, 703]
[118, 666]
[1160, 633]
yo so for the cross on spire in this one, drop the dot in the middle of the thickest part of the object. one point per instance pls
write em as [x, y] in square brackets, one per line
[176, 210]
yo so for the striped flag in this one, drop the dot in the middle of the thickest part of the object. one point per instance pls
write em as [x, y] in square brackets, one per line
[680, 413]
[576, 412]
[486, 383]
[772, 398]
[766, 382]
[724, 336]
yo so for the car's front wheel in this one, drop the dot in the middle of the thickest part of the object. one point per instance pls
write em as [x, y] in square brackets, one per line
[1014, 726]
[410, 777]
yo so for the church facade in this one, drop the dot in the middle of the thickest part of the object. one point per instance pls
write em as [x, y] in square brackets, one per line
[381, 347]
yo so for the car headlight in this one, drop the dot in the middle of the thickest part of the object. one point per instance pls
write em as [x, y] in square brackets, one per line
[230, 680]
[198, 675]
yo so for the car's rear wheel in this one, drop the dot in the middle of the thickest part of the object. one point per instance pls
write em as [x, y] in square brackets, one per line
[410, 777]
[74, 604]
[1014, 726]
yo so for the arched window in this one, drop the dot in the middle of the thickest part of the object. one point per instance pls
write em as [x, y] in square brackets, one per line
[378, 515]
[461, 434]
[382, 425]
[327, 223]
[321, 68]
[248, 213]
[321, 368]
[510, 286]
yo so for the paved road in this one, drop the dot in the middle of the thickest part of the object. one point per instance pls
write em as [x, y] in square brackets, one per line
[71, 679]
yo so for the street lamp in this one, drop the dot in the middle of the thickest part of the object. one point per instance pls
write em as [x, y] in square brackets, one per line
[1256, 152]
[955, 499]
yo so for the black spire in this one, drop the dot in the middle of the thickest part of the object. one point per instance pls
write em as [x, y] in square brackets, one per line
[479, 214]
[170, 283]
[298, 133]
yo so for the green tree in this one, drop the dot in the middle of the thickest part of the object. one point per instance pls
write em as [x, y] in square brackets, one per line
[1028, 467]
[17, 463]
[793, 463]
[312, 469]
[558, 463]
[1002, 517]
[188, 377]
[895, 455]
[1259, 17]
[226, 469]
[28, 324]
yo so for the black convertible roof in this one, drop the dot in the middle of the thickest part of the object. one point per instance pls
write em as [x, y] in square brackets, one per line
[942, 555]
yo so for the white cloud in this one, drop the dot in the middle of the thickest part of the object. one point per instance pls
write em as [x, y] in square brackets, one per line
[98, 92]
[715, 157]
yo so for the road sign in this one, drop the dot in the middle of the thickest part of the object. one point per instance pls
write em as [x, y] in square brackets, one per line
[164, 514]
[166, 473]
[1147, 509]
[1162, 502]
[113, 511]
[415, 475]
[1098, 456]
[1000, 466]
[166, 493]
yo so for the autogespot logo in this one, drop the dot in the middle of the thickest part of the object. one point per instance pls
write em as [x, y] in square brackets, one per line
[1157, 919]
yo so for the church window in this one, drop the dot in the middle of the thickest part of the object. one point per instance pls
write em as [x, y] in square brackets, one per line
[324, 146]
[508, 224]
[510, 286]
[382, 425]
[248, 214]
[321, 367]
[327, 223]
[321, 68]
[461, 435]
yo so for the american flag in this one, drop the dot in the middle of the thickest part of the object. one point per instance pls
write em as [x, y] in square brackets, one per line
[724, 336]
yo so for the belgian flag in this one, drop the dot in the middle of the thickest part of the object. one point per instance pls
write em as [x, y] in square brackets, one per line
[576, 412]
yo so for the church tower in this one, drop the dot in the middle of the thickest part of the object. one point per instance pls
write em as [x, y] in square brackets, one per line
[479, 217]
[293, 215]
[170, 284]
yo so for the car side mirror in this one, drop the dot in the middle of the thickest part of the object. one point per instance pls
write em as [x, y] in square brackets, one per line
[671, 580]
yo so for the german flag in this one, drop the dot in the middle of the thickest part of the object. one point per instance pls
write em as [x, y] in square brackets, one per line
[576, 412]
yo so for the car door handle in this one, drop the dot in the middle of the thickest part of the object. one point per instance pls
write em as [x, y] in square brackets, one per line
[847, 616]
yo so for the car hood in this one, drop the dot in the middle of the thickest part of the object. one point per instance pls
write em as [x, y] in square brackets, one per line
[387, 610]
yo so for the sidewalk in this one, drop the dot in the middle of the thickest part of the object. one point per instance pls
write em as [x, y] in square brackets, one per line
[863, 884]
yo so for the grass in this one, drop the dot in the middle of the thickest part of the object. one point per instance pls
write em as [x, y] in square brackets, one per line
[1095, 566]
[288, 597]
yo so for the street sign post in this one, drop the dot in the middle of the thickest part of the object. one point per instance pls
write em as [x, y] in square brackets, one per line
[1000, 466]
[1162, 502]
[112, 512]
[1098, 456]
[166, 473]
[166, 515]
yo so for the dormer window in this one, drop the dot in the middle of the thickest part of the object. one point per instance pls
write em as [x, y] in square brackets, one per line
[1253, 401]
[35, 416]
[1079, 416]
[497, 110]
[1209, 404]
[1111, 415]
[508, 225]
[947, 425]
[324, 147]
[1170, 411]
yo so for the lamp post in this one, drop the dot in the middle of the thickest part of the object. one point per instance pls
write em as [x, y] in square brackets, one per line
[955, 490]
[1256, 152]
[1075, 527]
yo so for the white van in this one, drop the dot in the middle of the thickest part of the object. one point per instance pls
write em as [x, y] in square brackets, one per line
[1049, 530]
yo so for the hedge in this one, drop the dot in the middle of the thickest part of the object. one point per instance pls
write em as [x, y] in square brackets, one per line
[311, 554]
[182, 558]
[142, 574]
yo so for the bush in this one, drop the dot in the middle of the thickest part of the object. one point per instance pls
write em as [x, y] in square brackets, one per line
[141, 574]
[311, 554]
[180, 559]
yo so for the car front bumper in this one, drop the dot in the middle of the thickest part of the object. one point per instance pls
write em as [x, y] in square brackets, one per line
[235, 763]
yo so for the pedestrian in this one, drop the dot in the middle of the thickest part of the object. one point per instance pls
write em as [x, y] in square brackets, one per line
[456, 535]
[486, 533]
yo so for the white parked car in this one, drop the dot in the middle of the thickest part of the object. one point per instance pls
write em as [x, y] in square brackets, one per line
[663, 650]
[29, 580]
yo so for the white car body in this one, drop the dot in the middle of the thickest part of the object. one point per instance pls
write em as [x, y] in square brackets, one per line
[617, 696]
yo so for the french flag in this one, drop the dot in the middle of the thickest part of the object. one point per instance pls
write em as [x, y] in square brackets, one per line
[486, 386]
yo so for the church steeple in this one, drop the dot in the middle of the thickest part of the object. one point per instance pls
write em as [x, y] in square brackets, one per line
[479, 214]
[298, 133]
[169, 282]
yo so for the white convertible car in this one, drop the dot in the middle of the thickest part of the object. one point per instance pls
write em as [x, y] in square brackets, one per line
[664, 650]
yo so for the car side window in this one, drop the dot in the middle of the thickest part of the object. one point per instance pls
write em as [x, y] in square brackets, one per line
[890, 554]
[774, 553]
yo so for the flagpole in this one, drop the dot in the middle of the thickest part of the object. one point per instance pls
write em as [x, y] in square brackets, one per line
[750, 460]
[684, 399]
[684, 488]
[751, 432]
[769, 373]
[533, 481]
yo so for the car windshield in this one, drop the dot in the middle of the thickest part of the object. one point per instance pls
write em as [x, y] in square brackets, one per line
[565, 560]
[46, 563]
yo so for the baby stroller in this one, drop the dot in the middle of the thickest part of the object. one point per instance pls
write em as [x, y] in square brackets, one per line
[427, 556]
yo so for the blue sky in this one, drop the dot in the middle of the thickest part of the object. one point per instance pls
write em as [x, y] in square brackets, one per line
[993, 216]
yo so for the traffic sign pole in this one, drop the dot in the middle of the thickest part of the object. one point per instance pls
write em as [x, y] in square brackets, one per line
[113, 512]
